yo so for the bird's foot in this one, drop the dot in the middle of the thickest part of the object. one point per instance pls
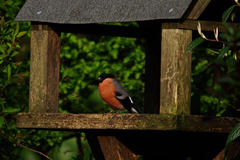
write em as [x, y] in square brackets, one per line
[104, 114]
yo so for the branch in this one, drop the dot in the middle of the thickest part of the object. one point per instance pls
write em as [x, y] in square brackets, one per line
[237, 2]
[34, 151]
[199, 28]
[5, 137]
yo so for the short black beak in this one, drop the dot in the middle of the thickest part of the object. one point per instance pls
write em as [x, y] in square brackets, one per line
[99, 79]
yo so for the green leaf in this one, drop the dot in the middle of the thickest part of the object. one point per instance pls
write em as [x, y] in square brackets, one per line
[231, 64]
[10, 50]
[114, 53]
[16, 29]
[11, 110]
[2, 56]
[223, 52]
[9, 70]
[233, 16]
[2, 48]
[14, 53]
[230, 29]
[226, 36]
[227, 13]
[1, 121]
[196, 42]
[20, 34]
[234, 134]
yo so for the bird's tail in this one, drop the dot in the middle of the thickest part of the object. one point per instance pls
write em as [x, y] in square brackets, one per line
[135, 109]
[130, 106]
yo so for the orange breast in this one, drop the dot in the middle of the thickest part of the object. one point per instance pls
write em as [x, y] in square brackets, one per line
[107, 92]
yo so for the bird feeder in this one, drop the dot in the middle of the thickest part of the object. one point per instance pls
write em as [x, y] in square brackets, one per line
[166, 129]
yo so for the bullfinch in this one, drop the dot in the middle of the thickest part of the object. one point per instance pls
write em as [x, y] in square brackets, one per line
[113, 93]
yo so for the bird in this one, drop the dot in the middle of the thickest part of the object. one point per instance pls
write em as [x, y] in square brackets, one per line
[113, 93]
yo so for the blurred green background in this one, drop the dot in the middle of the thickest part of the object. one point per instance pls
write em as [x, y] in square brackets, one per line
[215, 83]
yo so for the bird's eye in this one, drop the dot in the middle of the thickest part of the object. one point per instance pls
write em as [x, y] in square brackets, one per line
[100, 79]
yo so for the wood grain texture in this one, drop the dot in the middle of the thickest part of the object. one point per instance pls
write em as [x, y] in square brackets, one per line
[95, 121]
[105, 145]
[175, 72]
[192, 25]
[113, 149]
[161, 143]
[232, 153]
[44, 69]
[198, 9]
[144, 122]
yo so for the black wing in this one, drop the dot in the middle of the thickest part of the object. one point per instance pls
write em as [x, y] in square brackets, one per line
[124, 98]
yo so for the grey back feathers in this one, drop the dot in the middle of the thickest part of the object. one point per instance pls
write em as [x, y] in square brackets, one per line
[122, 95]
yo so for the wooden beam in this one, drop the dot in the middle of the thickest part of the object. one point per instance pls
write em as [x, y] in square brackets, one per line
[92, 138]
[132, 31]
[175, 72]
[95, 121]
[192, 25]
[108, 147]
[161, 143]
[100, 29]
[232, 153]
[44, 69]
[198, 8]
[113, 149]
[144, 122]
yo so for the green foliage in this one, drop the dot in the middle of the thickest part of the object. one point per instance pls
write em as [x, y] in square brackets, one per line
[9, 67]
[10, 8]
[216, 73]
[14, 73]
[13, 87]
[84, 58]
[227, 13]
[233, 135]
[215, 77]
[232, 39]
[196, 42]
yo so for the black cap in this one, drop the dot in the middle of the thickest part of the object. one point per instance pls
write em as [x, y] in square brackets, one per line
[104, 76]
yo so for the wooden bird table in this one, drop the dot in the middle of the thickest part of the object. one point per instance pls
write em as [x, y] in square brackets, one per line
[166, 130]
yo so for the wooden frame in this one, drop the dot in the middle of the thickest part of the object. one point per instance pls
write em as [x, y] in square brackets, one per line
[44, 69]
[140, 122]
[167, 91]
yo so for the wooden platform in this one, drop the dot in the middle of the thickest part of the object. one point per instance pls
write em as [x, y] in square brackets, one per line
[159, 122]
[200, 137]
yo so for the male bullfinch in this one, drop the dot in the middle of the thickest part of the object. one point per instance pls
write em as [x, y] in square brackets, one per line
[113, 93]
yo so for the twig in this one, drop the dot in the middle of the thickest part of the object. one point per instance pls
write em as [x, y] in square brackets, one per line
[5, 137]
[237, 2]
[199, 28]
[34, 151]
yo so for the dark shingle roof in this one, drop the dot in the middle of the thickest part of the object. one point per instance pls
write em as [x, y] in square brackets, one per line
[98, 11]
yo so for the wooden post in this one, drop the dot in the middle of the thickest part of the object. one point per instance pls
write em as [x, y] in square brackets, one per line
[232, 153]
[44, 70]
[113, 149]
[108, 147]
[152, 66]
[175, 71]
[168, 69]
